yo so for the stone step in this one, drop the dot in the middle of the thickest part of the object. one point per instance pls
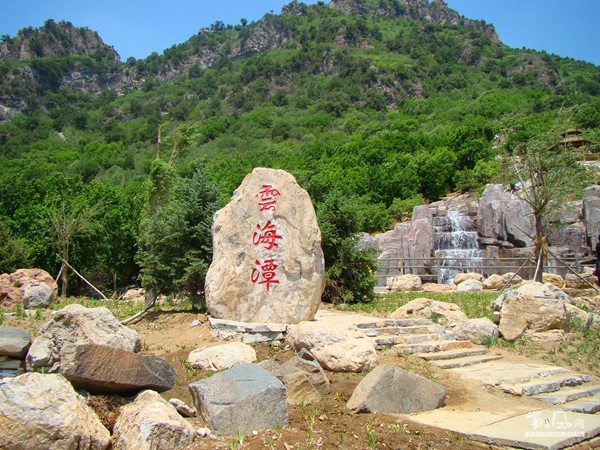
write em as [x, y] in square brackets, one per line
[543, 385]
[586, 405]
[415, 329]
[465, 361]
[410, 339]
[431, 347]
[452, 354]
[496, 373]
[566, 395]
[394, 323]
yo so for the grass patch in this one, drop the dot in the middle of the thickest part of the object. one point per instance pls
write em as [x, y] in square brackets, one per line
[473, 304]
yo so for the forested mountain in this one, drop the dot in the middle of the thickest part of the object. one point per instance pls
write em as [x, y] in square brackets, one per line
[373, 105]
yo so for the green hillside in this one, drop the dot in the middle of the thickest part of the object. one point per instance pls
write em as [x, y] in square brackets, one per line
[372, 111]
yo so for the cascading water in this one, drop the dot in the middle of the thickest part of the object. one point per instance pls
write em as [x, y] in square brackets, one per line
[456, 240]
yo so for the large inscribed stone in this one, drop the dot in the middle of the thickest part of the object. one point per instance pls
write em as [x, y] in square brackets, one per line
[267, 260]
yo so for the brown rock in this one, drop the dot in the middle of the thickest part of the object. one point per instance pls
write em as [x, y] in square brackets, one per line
[494, 282]
[403, 283]
[425, 308]
[434, 287]
[461, 277]
[534, 314]
[554, 279]
[106, 370]
[10, 285]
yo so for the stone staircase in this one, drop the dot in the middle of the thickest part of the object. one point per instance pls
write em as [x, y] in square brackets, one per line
[428, 340]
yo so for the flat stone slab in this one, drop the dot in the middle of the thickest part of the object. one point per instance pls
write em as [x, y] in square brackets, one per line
[587, 405]
[452, 354]
[549, 429]
[465, 361]
[545, 384]
[14, 342]
[566, 395]
[515, 427]
[248, 332]
[497, 372]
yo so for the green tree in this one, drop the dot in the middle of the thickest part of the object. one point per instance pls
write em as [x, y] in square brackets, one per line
[14, 253]
[547, 177]
[176, 239]
[349, 270]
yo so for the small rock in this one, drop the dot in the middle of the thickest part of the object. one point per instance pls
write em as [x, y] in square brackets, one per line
[273, 368]
[203, 432]
[554, 279]
[478, 331]
[150, 422]
[404, 283]
[182, 408]
[14, 342]
[36, 294]
[425, 308]
[222, 356]
[494, 281]
[462, 277]
[470, 285]
[194, 323]
[434, 287]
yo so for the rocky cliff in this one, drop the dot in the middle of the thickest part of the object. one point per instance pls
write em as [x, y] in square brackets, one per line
[54, 40]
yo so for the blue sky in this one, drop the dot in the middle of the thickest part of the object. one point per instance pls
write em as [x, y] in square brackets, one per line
[140, 27]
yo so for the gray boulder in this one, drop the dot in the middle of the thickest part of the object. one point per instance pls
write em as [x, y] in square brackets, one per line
[106, 370]
[36, 294]
[14, 342]
[519, 223]
[528, 314]
[490, 215]
[391, 390]
[151, 423]
[75, 324]
[240, 400]
[44, 412]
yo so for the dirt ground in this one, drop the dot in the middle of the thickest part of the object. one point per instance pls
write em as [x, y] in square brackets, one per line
[326, 424]
[323, 425]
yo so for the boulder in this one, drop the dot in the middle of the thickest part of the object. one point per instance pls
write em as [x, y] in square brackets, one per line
[239, 400]
[534, 314]
[494, 281]
[14, 342]
[435, 287]
[419, 241]
[43, 411]
[579, 316]
[10, 285]
[337, 347]
[470, 286]
[555, 280]
[75, 324]
[36, 294]
[425, 308]
[403, 283]
[391, 390]
[490, 214]
[106, 370]
[305, 363]
[462, 277]
[151, 423]
[533, 289]
[223, 356]
[519, 222]
[267, 263]
[478, 331]
[573, 281]
[511, 278]
[134, 295]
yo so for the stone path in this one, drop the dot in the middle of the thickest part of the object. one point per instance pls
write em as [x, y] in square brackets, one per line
[573, 397]
[568, 401]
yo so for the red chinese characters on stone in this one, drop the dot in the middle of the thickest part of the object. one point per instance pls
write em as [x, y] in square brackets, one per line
[267, 198]
[265, 273]
[266, 236]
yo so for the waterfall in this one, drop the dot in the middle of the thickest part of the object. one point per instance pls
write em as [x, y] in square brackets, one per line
[456, 239]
